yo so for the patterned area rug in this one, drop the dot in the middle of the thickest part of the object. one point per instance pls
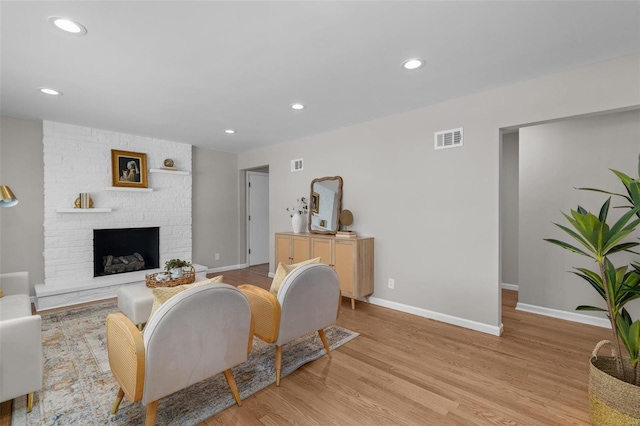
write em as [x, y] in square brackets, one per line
[79, 388]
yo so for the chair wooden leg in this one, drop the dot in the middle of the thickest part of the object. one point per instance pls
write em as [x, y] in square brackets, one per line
[30, 402]
[324, 342]
[228, 374]
[278, 364]
[152, 409]
[117, 402]
[353, 303]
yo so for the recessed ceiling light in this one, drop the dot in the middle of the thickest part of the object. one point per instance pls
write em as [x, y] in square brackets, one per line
[68, 25]
[48, 91]
[297, 106]
[412, 64]
[230, 131]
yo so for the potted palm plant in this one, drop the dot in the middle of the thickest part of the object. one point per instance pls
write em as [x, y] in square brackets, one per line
[614, 384]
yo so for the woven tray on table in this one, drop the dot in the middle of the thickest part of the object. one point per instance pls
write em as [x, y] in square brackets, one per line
[189, 276]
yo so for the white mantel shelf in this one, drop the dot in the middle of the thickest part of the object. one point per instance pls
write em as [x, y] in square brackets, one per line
[127, 189]
[170, 172]
[91, 210]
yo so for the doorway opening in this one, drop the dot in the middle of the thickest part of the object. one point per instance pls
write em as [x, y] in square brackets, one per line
[257, 218]
[541, 165]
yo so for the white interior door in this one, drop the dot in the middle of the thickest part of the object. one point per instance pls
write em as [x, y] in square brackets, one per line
[258, 218]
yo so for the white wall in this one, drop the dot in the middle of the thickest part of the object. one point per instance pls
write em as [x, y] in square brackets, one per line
[21, 165]
[556, 158]
[435, 214]
[216, 217]
[509, 203]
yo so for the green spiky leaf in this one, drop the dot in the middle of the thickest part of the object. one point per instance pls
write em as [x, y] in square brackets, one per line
[590, 308]
[593, 279]
[630, 336]
[604, 210]
[568, 247]
[606, 192]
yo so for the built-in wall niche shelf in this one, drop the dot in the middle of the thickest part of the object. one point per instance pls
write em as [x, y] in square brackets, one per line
[127, 189]
[170, 172]
[91, 210]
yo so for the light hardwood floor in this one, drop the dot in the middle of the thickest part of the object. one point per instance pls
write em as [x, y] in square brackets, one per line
[408, 370]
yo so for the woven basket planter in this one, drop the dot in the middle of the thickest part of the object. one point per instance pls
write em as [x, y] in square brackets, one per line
[188, 278]
[612, 401]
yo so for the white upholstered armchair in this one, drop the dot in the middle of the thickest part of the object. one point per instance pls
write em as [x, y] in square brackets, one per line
[20, 340]
[308, 301]
[196, 334]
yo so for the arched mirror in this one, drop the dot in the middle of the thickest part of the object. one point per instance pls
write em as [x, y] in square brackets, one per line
[324, 205]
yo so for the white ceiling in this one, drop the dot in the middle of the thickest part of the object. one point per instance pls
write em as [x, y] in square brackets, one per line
[185, 71]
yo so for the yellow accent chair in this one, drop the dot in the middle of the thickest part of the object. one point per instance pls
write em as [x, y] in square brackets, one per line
[307, 301]
[196, 334]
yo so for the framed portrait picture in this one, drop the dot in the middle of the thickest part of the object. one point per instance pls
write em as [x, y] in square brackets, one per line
[315, 202]
[129, 169]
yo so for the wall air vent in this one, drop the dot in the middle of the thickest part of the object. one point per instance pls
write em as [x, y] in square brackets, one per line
[296, 165]
[448, 139]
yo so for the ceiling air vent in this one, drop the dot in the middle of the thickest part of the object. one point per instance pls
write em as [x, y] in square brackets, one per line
[448, 139]
[296, 165]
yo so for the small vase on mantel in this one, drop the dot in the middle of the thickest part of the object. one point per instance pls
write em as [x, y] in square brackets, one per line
[297, 222]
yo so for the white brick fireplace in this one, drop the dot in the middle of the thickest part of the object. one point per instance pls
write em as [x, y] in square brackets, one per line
[78, 159]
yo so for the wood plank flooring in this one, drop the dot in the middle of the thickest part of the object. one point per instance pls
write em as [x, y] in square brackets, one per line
[408, 370]
[5, 413]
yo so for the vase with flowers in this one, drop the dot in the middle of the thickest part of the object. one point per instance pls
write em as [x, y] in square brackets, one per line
[298, 213]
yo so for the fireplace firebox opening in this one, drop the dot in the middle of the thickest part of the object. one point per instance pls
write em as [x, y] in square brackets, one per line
[117, 251]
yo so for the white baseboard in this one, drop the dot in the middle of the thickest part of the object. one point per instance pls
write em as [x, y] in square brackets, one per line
[507, 286]
[569, 316]
[449, 319]
[227, 268]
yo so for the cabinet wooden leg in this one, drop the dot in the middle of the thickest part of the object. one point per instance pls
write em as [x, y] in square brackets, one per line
[366, 298]
[353, 303]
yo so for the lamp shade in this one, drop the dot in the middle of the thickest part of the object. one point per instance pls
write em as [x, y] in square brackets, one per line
[7, 199]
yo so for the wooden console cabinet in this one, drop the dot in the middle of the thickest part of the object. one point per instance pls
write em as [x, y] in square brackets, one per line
[352, 258]
[292, 248]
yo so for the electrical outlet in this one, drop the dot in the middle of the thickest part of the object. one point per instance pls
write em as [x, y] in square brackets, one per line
[217, 256]
[392, 283]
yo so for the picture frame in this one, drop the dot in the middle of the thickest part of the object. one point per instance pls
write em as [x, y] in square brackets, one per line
[128, 169]
[315, 202]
